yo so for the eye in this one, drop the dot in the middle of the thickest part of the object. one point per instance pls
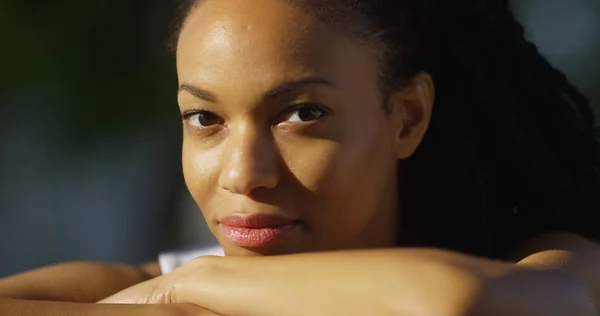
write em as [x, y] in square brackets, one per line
[201, 119]
[304, 113]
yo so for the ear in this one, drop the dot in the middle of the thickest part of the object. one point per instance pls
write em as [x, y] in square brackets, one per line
[411, 108]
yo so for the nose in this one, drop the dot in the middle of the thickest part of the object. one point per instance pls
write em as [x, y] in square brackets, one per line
[251, 161]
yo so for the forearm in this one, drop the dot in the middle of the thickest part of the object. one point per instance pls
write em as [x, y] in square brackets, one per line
[39, 308]
[71, 282]
[378, 282]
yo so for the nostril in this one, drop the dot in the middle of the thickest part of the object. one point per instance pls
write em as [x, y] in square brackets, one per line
[245, 181]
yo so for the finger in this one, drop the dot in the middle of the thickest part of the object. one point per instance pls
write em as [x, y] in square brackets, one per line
[142, 293]
[193, 310]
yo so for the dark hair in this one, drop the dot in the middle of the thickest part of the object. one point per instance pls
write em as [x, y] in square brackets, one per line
[510, 152]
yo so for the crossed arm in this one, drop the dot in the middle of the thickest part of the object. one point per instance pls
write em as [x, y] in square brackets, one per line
[556, 274]
[69, 289]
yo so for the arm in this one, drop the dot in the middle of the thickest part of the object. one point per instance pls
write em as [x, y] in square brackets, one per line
[376, 282]
[384, 282]
[567, 253]
[39, 308]
[32, 293]
[73, 282]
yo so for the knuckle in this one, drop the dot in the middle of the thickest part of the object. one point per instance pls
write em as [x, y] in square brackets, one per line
[165, 292]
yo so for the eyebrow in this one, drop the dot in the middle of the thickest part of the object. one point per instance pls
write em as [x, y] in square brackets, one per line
[273, 93]
[198, 93]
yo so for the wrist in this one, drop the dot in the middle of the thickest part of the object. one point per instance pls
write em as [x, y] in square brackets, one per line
[205, 281]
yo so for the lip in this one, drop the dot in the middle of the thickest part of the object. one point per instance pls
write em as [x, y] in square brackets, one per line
[256, 221]
[257, 231]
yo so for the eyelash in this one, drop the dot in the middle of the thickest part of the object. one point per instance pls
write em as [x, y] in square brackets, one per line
[302, 106]
[306, 106]
[186, 114]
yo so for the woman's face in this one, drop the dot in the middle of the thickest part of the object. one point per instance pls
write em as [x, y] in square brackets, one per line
[286, 144]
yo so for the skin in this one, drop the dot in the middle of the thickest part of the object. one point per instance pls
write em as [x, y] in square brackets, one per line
[37, 308]
[335, 173]
[315, 171]
[64, 289]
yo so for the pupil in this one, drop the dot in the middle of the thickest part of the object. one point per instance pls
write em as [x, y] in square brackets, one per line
[309, 114]
[206, 118]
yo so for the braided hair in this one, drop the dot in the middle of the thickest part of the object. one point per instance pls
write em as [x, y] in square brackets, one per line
[510, 152]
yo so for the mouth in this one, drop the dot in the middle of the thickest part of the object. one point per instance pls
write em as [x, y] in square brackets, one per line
[257, 231]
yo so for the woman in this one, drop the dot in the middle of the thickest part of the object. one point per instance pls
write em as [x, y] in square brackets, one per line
[321, 135]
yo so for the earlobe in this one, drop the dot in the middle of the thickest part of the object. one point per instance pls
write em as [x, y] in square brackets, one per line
[411, 107]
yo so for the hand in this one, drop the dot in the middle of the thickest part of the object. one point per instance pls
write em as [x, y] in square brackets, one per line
[152, 291]
[161, 290]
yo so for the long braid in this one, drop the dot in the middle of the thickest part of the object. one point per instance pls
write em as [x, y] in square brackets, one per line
[531, 128]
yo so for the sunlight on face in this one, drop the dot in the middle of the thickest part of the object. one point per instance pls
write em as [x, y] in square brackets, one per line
[283, 116]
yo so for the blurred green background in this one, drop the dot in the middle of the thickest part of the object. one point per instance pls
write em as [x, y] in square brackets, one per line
[90, 133]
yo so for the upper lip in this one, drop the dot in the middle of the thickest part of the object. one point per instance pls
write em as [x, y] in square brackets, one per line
[256, 221]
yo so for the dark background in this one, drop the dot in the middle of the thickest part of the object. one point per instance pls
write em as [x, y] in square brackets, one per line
[90, 134]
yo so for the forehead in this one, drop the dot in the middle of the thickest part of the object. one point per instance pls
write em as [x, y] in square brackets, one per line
[227, 40]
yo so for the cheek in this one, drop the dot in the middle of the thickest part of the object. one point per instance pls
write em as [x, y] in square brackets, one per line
[200, 171]
[358, 178]
[348, 177]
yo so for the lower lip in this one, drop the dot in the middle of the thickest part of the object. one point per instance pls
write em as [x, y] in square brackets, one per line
[256, 237]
